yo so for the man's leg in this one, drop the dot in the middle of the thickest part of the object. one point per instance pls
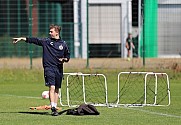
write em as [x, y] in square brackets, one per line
[53, 96]
[56, 94]
[128, 58]
[51, 92]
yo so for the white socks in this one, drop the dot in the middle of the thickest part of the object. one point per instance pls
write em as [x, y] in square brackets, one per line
[53, 104]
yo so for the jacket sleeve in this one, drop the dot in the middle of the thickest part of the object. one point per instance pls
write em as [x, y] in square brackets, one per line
[67, 53]
[37, 41]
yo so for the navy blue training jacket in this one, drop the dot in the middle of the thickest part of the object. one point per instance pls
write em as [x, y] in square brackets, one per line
[53, 50]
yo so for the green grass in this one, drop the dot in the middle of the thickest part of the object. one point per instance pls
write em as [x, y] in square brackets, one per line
[18, 86]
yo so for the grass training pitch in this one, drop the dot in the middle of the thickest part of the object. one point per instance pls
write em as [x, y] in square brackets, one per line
[22, 88]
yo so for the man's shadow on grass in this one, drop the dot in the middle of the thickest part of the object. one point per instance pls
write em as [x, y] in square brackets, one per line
[35, 113]
[43, 113]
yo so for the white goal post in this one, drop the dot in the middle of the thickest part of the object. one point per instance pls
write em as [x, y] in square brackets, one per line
[78, 88]
[143, 89]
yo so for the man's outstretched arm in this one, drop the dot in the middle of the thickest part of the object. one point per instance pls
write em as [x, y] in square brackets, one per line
[34, 40]
[15, 40]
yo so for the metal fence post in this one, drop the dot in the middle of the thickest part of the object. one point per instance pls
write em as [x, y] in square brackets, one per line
[30, 31]
[87, 65]
[144, 32]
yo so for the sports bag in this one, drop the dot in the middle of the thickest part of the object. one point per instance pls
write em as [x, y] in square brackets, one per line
[83, 109]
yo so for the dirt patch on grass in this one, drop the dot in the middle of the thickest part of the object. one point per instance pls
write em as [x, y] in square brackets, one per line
[98, 63]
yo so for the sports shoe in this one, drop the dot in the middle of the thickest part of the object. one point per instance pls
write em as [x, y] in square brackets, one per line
[54, 111]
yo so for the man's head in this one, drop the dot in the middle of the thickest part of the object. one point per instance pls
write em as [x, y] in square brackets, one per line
[129, 35]
[54, 31]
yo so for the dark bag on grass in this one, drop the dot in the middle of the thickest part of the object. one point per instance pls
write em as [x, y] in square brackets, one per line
[84, 109]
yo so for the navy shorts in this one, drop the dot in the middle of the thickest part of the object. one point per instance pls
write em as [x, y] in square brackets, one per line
[53, 76]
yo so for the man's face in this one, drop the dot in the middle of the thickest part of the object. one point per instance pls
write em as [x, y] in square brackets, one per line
[53, 33]
[130, 36]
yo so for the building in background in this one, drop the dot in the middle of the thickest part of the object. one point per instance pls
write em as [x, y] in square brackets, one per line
[169, 31]
[108, 25]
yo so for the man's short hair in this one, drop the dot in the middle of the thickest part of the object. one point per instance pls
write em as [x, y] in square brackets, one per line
[56, 27]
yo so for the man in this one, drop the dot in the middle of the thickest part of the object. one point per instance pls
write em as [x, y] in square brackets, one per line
[55, 53]
[129, 45]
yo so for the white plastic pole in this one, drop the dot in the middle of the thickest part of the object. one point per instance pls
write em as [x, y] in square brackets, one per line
[139, 26]
[76, 29]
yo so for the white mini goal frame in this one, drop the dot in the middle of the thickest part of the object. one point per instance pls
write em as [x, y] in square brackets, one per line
[85, 100]
[146, 74]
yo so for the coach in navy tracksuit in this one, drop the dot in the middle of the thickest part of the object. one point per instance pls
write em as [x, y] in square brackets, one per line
[55, 53]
